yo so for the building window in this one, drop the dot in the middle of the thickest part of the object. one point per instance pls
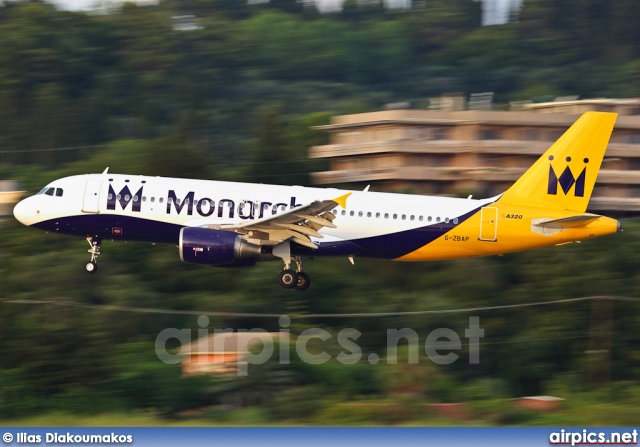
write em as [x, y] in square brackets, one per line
[530, 134]
[438, 134]
[488, 134]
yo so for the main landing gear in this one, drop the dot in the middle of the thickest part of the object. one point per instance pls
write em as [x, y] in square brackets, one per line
[94, 243]
[294, 279]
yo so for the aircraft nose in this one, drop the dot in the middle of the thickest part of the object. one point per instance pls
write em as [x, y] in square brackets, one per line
[24, 212]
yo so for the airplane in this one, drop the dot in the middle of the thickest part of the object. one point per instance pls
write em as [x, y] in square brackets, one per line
[228, 224]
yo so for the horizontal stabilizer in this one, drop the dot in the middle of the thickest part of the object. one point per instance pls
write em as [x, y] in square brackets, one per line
[567, 222]
[548, 227]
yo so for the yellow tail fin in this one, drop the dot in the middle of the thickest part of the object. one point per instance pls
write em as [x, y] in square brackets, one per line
[564, 176]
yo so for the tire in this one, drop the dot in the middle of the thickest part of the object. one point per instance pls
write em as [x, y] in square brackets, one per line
[304, 281]
[91, 267]
[288, 279]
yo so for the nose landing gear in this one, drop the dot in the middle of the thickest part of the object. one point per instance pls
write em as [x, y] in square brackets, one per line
[94, 243]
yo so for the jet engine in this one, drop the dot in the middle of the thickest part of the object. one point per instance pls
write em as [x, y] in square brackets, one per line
[217, 248]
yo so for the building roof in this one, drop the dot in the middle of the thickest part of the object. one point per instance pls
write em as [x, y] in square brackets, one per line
[229, 342]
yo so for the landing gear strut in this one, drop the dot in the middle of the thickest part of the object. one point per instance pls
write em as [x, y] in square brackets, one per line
[304, 280]
[94, 243]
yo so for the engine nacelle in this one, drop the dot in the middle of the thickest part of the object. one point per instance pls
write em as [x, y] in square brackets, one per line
[216, 247]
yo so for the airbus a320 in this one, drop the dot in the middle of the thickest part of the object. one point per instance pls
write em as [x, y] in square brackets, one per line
[227, 224]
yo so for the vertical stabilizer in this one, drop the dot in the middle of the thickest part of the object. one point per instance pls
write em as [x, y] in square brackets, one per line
[564, 176]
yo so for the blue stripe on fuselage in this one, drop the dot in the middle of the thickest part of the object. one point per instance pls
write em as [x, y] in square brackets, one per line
[136, 229]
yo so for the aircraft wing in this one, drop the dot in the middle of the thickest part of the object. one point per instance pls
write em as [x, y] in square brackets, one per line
[297, 224]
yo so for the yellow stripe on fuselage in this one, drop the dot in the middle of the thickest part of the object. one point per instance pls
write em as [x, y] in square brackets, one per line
[511, 231]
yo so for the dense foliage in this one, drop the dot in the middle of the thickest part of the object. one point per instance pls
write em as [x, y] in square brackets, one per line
[233, 98]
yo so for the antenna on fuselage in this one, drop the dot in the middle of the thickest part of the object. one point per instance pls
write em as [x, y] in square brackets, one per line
[106, 170]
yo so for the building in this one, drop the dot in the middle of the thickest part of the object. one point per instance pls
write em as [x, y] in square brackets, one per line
[474, 152]
[9, 196]
[224, 352]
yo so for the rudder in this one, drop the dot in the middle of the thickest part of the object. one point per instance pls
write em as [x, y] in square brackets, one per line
[564, 176]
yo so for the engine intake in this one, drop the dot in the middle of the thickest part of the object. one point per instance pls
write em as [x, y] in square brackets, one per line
[216, 247]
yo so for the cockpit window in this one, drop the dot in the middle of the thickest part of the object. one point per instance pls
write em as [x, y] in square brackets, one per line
[50, 191]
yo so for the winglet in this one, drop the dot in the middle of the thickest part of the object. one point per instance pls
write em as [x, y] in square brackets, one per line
[342, 200]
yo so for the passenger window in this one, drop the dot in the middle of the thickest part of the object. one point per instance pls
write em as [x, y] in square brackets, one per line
[118, 197]
[420, 218]
[360, 214]
[352, 213]
[127, 197]
[59, 192]
[344, 212]
[429, 219]
[160, 200]
[455, 220]
[404, 217]
[369, 214]
[135, 198]
[413, 217]
[153, 199]
[110, 196]
[437, 219]
[377, 215]
[144, 198]
[395, 216]
[446, 220]
[386, 215]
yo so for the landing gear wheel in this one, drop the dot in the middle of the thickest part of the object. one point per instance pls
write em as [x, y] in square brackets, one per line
[288, 279]
[91, 267]
[304, 281]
